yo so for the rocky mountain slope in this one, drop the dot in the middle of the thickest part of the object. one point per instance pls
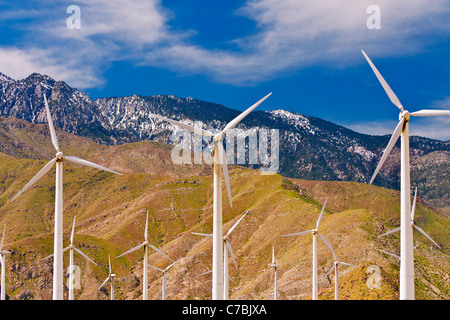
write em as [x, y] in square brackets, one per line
[111, 210]
[309, 148]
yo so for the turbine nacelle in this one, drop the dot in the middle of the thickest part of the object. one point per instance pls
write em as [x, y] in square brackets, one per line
[405, 115]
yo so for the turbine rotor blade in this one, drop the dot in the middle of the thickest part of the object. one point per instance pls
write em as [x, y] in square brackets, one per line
[389, 232]
[383, 82]
[73, 230]
[329, 271]
[85, 256]
[104, 282]
[50, 125]
[389, 254]
[321, 213]
[203, 234]
[39, 175]
[109, 263]
[89, 164]
[347, 264]
[426, 235]
[297, 233]
[185, 126]
[159, 251]
[161, 270]
[392, 141]
[237, 222]
[413, 210]
[202, 274]
[238, 119]
[429, 113]
[171, 265]
[328, 245]
[226, 177]
[231, 253]
[131, 250]
[146, 227]
[3, 238]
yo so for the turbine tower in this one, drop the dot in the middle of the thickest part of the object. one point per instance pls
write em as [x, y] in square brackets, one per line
[164, 281]
[220, 162]
[226, 246]
[275, 267]
[145, 245]
[314, 233]
[406, 234]
[58, 272]
[3, 253]
[110, 278]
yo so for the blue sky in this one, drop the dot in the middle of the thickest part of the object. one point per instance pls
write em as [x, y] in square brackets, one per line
[234, 52]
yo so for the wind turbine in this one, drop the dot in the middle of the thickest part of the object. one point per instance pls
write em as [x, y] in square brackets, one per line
[336, 274]
[3, 253]
[110, 278]
[406, 234]
[314, 233]
[71, 249]
[226, 246]
[58, 272]
[275, 267]
[164, 281]
[413, 225]
[145, 245]
[220, 162]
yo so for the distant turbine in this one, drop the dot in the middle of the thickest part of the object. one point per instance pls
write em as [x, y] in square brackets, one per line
[71, 267]
[406, 235]
[413, 225]
[110, 278]
[314, 232]
[226, 246]
[336, 273]
[145, 245]
[164, 281]
[3, 253]
[58, 272]
[220, 162]
[275, 267]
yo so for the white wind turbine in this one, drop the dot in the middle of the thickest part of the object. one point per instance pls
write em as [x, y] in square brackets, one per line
[110, 278]
[227, 245]
[314, 233]
[71, 249]
[164, 281]
[406, 235]
[145, 245]
[336, 273]
[58, 229]
[3, 253]
[275, 267]
[413, 225]
[220, 161]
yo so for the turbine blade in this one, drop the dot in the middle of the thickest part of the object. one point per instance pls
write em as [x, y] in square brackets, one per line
[297, 233]
[89, 164]
[146, 227]
[329, 271]
[39, 175]
[389, 232]
[238, 119]
[392, 141]
[85, 256]
[202, 274]
[347, 264]
[3, 238]
[50, 125]
[73, 230]
[226, 177]
[328, 245]
[231, 279]
[428, 113]
[413, 210]
[203, 234]
[237, 222]
[170, 266]
[321, 213]
[161, 270]
[383, 82]
[426, 235]
[231, 253]
[104, 282]
[156, 249]
[185, 126]
[131, 250]
[389, 254]
[109, 263]
[273, 254]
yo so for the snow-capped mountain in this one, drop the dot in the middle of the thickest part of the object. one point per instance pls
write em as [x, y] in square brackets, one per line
[309, 148]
